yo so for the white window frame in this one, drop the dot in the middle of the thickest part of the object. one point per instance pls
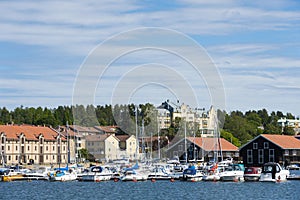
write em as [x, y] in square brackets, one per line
[249, 156]
[260, 156]
[266, 145]
[271, 155]
[286, 152]
[255, 145]
[175, 153]
[180, 147]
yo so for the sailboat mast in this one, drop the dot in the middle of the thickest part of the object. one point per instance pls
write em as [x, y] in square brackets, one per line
[136, 134]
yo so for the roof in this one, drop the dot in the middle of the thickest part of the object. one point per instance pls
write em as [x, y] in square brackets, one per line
[283, 141]
[13, 132]
[209, 144]
[96, 138]
[107, 129]
[83, 129]
[122, 138]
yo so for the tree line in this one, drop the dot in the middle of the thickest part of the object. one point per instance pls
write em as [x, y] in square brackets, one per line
[238, 127]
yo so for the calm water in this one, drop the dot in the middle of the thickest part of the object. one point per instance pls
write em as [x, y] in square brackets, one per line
[148, 190]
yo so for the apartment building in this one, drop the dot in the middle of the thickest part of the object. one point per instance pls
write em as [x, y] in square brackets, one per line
[26, 144]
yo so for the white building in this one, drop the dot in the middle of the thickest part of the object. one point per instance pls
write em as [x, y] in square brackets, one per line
[293, 123]
[198, 118]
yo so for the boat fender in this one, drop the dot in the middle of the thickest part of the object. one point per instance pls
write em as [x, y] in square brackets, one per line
[278, 180]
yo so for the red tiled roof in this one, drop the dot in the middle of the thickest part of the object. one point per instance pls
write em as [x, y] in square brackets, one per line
[31, 132]
[107, 129]
[283, 141]
[84, 129]
[209, 144]
[122, 138]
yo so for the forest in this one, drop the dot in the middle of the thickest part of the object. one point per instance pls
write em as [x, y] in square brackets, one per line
[238, 127]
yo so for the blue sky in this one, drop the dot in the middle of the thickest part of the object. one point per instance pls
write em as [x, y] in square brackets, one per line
[255, 46]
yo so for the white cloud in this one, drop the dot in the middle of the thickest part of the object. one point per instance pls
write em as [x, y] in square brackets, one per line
[76, 27]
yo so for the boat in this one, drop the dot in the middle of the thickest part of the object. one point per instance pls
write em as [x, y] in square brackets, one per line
[295, 166]
[213, 174]
[133, 175]
[97, 174]
[63, 174]
[41, 173]
[192, 174]
[252, 173]
[273, 172]
[11, 174]
[234, 172]
[159, 173]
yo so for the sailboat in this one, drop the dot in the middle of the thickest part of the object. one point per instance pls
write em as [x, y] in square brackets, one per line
[65, 173]
[214, 170]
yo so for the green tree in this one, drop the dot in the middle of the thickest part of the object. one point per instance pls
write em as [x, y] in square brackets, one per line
[288, 131]
[229, 137]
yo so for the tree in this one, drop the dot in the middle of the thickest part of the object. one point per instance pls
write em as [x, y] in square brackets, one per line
[229, 137]
[288, 131]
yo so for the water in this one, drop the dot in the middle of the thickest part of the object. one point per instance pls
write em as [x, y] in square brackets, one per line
[149, 190]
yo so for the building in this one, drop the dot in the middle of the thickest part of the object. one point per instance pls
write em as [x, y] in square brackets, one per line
[128, 146]
[202, 149]
[84, 130]
[23, 144]
[197, 119]
[107, 147]
[292, 123]
[270, 148]
[75, 141]
[107, 129]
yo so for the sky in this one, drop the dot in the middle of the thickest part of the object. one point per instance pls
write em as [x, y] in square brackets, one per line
[254, 47]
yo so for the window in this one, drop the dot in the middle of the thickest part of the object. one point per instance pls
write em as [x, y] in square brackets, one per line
[255, 146]
[53, 148]
[266, 145]
[175, 153]
[8, 148]
[249, 156]
[2, 140]
[180, 147]
[35, 148]
[271, 155]
[28, 148]
[260, 156]
[286, 152]
[294, 152]
[16, 148]
[46, 148]
[9, 158]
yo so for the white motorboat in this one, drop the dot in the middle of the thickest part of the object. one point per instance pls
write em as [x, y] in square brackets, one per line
[63, 174]
[234, 172]
[159, 173]
[133, 175]
[273, 172]
[97, 174]
[41, 173]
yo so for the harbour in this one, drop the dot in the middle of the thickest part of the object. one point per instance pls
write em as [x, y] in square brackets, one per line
[148, 190]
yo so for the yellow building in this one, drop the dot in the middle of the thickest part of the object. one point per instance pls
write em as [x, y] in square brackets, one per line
[23, 144]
